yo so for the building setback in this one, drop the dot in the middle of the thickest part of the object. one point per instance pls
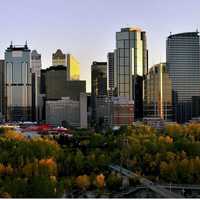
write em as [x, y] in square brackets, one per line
[18, 84]
[183, 64]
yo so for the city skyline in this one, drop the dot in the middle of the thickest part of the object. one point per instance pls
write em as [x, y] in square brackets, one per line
[79, 28]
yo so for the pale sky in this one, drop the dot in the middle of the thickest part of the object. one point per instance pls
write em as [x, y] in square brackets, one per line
[86, 28]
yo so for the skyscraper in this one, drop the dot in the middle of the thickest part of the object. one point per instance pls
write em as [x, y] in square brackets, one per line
[68, 60]
[36, 66]
[2, 67]
[99, 84]
[59, 58]
[73, 68]
[18, 83]
[131, 62]
[183, 63]
[158, 93]
[111, 73]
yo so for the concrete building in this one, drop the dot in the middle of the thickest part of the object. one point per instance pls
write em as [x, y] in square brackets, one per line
[67, 110]
[131, 62]
[183, 65]
[122, 111]
[57, 86]
[18, 84]
[158, 93]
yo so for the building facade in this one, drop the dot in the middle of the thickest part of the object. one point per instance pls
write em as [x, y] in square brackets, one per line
[2, 100]
[73, 68]
[18, 84]
[158, 94]
[36, 66]
[98, 85]
[59, 58]
[67, 110]
[122, 111]
[183, 64]
[131, 62]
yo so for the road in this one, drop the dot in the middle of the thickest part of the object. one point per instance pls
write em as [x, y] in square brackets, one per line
[149, 184]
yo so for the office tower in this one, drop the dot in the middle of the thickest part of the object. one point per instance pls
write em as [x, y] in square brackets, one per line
[183, 64]
[158, 93]
[36, 62]
[99, 78]
[2, 89]
[68, 60]
[111, 73]
[59, 58]
[36, 65]
[99, 84]
[73, 68]
[18, 83]
[66, 110]
[57, 86]
[131, 62]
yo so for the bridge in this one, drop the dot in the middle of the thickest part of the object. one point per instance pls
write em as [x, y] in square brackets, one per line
[149, 184]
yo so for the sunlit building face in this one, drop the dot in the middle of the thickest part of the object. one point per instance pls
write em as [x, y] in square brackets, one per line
[130, 57]
[73, 67]
[158, 93]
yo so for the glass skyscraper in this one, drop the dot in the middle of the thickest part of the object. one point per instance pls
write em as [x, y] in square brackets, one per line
[18, 83]
[131, 64]
[158, 93]
[183, 64]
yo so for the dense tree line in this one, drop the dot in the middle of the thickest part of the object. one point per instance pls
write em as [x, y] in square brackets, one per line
[43, 167]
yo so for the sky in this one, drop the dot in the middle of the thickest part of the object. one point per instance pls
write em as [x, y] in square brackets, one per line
[86, 28]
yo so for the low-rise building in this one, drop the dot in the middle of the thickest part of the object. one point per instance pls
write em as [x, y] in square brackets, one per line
[67, 110]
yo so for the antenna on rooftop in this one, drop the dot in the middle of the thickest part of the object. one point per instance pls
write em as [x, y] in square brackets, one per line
[11, 43]
[197, 30]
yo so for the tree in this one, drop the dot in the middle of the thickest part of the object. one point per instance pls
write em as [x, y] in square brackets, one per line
[100, 180]
[114, 181]
[83, 182]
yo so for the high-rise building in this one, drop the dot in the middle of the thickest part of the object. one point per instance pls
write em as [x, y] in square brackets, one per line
[131, 62]
[59, 58]
[99, 84]
[183, 64]
[36, 66]
[2, 89]
[99, 78]
[57, 86]
[68, 60]
[73, 68]
[111, 73]
[158, 93]
[18, 83]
